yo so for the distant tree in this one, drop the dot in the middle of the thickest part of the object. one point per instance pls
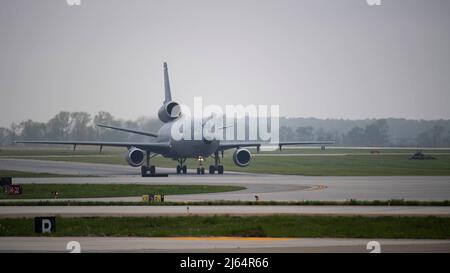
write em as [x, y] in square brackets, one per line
[286, 134]
[322, 135]
[106, 118]
[134, 137]
[437, 135]
[447, 140]
[31, 130]
[424, 139]
[79, 122]
[375, 134]
[58, 128]
[433, 138]
[6, 136]
[149, 124]
[305, 133]
[355, 137]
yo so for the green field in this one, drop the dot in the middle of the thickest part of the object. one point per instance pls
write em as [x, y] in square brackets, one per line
[43, 191]
[353, 163]
[263, 226]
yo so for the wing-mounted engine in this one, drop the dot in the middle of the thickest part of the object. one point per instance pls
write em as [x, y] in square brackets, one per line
[169, 111]
[242, 157]
[135, 157]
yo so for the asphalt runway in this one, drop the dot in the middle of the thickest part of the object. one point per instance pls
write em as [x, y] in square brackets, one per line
[267, 187]
[66, 167]
[217, 244]
[155, 211]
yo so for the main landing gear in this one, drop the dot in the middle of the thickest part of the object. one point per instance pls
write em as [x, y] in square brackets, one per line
[148, 170]
[181, 167]
[216, 166]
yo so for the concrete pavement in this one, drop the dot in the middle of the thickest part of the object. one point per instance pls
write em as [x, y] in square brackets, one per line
[141, 211]
[218, 244]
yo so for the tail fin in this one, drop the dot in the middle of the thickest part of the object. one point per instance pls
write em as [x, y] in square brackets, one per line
[168, 96]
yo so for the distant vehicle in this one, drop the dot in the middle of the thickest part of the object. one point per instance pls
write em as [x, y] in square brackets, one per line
[139, 154]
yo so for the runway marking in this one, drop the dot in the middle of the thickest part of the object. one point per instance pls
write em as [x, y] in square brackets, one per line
[316, 188]
[224, 238]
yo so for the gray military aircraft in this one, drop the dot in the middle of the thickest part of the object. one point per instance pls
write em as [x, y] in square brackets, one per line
[139, 154]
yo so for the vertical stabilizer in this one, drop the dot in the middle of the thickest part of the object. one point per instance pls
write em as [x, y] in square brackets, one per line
[168, 95]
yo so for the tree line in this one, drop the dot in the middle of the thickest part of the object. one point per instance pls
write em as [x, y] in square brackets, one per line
[76, 126]
[369, 132]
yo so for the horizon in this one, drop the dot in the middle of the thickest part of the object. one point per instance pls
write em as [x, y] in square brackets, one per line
[155, 117]
[324, 59]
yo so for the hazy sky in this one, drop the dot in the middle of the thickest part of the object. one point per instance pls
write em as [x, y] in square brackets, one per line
[315, 58]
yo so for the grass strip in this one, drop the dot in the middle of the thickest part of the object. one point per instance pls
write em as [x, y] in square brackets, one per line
[43, 191]
[256, 226]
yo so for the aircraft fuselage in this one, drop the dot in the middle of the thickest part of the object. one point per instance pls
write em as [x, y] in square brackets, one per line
[185, 147]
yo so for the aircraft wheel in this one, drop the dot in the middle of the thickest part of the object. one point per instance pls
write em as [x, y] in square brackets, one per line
[178, 169]
[220, 169]
[144, 171]
[198, 170]
[152, 170]
[202, 170]
[212, 169]
[184, 169]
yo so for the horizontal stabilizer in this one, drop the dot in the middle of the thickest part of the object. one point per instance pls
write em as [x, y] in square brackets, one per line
[129, 130]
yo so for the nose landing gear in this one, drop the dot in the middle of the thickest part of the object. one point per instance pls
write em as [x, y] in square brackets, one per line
[181, 168]
[200, 169]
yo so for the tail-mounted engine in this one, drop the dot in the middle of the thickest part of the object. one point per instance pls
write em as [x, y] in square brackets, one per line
[169, 111]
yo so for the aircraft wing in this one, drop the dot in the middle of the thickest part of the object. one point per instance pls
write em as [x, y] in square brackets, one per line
[231, 145]
[158, 147]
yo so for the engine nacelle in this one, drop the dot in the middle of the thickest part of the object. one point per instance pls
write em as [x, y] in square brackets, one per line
[135, 157]
[169, 111]
[242, 157]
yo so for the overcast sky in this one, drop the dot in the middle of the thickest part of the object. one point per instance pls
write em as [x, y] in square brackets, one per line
[315, 58]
